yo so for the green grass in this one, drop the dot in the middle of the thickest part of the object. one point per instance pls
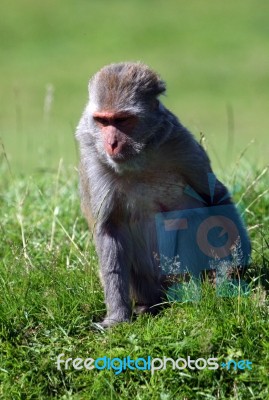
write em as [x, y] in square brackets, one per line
[213, 55]
[51, 295]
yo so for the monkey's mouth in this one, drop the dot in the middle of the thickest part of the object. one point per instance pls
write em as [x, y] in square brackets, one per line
[121, 158]
[125, 162]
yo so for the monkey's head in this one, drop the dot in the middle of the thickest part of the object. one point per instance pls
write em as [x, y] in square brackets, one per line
[124, 113]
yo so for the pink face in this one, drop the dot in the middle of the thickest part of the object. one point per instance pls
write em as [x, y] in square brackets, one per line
[116, 129]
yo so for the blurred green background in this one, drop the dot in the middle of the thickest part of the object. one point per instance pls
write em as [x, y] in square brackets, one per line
[213, 55]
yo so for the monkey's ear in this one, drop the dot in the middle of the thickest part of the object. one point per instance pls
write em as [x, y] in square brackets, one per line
[161, 87]
[150, 82]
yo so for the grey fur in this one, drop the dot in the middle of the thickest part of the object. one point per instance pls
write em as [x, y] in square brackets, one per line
[161, 158]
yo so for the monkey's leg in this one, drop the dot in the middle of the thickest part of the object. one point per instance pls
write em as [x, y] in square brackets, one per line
[115, 277]
[146, 291]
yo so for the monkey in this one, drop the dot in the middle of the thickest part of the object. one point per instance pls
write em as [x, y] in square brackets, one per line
[137, 161]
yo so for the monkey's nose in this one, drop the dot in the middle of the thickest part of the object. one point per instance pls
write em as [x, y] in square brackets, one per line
[114, 145]
[113, 148]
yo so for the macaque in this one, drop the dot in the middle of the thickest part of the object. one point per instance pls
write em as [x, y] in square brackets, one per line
[137, 161]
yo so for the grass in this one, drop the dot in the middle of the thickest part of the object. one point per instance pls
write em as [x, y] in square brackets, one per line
[213, 56]
[51, 297]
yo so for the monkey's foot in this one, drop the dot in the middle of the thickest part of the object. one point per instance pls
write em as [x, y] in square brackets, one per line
[147, 309]
[114, 319]
[108, 323]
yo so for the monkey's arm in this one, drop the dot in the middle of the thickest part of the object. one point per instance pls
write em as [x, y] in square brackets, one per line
[112, 239]
[115, 252]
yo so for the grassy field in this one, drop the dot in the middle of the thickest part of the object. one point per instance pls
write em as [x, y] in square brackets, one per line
[213, 55]
[214, 58]
[51, 297]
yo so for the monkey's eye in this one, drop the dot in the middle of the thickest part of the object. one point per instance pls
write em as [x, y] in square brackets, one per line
[101, 121]
[121, 120]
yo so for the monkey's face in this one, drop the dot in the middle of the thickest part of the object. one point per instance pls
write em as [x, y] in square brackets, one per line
[123, 113]
[117, 138]
[116, 132]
